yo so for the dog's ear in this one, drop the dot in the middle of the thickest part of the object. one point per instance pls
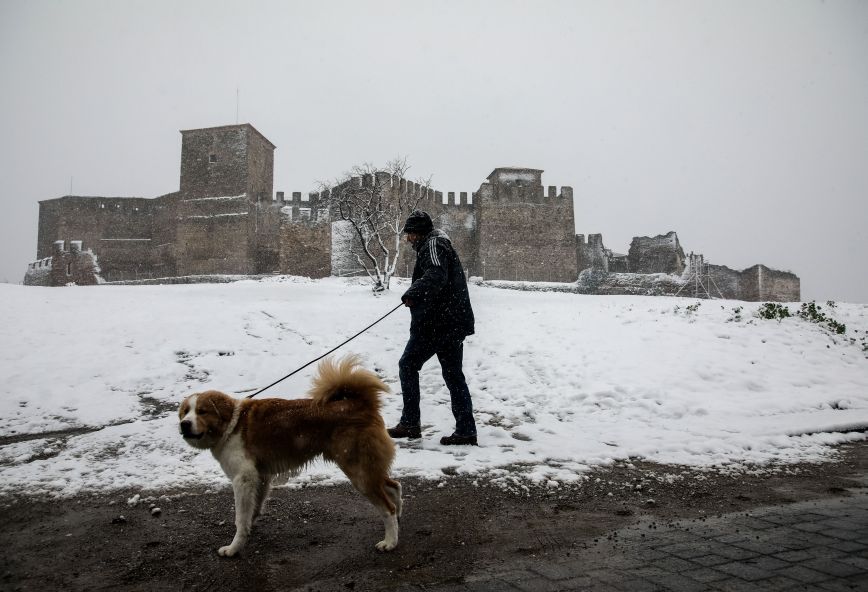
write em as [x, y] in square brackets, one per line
[219, 404]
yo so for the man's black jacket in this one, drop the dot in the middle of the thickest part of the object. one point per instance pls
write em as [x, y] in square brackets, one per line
[439, 301]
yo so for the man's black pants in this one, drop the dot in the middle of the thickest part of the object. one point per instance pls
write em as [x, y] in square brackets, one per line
[450, 353]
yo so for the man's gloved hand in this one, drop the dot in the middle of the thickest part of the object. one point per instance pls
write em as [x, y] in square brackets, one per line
[407, 302]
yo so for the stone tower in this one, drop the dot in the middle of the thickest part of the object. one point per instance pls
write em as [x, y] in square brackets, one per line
[226, 178]
[523, 231]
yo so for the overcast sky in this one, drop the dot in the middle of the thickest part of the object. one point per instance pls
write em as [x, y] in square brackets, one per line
[742, 125]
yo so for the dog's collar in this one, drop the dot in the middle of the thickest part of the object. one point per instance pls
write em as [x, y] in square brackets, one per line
[236, 413]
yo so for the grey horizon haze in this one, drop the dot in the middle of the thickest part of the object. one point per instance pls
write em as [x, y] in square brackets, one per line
[741, 125]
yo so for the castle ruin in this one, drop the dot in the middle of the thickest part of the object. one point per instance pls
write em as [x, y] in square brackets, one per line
[225, 219]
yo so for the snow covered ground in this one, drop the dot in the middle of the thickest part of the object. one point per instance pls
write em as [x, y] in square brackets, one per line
[560, 382]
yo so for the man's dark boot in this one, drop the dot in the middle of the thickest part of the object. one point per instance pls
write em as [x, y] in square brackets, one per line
[402, 431]
[456, 440]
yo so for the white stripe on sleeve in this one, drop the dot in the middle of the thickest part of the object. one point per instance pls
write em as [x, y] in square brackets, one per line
[432, 246]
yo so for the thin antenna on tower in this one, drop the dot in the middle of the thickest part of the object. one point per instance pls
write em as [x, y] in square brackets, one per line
[237, 102]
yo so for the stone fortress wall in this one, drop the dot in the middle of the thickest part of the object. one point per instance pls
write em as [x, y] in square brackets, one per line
[658, 266]
[226, 220]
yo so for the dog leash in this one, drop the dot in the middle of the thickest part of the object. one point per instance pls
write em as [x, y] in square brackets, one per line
[327, 353]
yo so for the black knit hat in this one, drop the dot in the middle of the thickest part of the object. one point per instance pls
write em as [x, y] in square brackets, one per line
[418, 222]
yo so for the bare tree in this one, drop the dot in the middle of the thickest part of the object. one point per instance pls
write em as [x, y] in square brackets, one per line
[376, 203]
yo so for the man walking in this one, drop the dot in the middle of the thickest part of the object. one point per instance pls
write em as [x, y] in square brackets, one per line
[441, 317]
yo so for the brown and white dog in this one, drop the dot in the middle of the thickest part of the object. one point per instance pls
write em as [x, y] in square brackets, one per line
[256, 440]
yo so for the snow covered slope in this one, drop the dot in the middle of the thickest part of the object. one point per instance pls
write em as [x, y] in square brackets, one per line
[560, 382]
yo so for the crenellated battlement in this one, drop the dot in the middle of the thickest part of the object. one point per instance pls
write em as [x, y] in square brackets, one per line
[70, 265]
[593, 240]
[298, 197]
[523, 194]
[44, 263]
[400, 185]
[460, 198]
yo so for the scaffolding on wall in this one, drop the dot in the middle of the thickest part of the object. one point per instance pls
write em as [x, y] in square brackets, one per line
[699, 280]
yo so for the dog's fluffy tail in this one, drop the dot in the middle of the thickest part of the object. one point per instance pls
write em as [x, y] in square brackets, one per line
[346, 379]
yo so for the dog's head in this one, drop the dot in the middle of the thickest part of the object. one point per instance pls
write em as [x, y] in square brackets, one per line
[204, 418]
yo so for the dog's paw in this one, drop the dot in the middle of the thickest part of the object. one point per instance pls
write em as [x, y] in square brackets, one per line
[227, 551]
[386, 545]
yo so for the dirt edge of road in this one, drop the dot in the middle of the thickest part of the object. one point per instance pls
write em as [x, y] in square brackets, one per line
[322, 538]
